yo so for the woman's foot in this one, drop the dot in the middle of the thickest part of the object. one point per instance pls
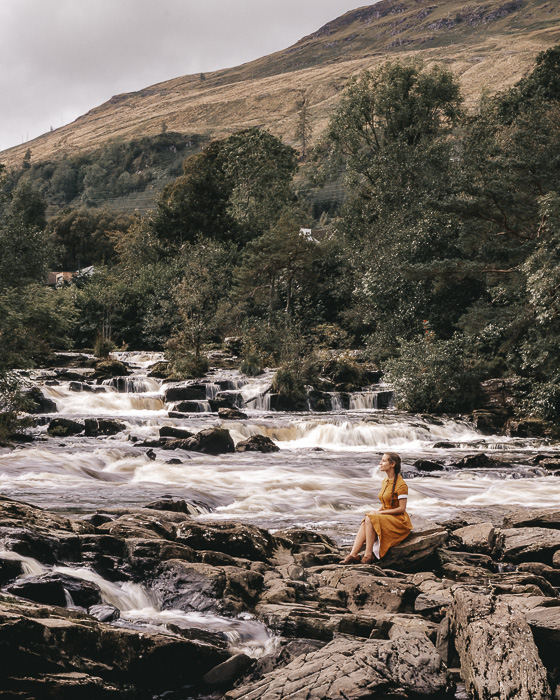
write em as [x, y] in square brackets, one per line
[368, 559]
[351, 559]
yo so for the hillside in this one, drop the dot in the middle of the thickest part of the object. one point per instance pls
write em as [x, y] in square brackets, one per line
[489, 44]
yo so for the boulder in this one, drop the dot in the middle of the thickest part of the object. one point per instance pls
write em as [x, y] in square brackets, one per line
[363, 590]
[170, 431]
[479, 461]
[257, 443]
[188, 392]
[54, 588]
[9, 569]
[103, 426]
[418, 549]
[235, 539]
[38, 402]
[405, 666]
[499, 658]
[535, 517]
[426, 465]
[545, 625]
[488, 422]
[191, 406]
[530, 544]
[104, 613]
[224, 675]
[62, 427]
[477, 538]
[110, 368]
[530, 427]
[537, 568]
[211, 441]
[231, 414]
[159, 370]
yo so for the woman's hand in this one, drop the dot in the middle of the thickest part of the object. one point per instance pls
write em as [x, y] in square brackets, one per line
[396, 511]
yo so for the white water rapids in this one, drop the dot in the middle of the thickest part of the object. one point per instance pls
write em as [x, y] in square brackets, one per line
[324, 477]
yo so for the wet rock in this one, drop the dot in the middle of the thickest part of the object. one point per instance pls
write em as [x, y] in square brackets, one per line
[257, 443]
[536, 517]
[545, 625]
[144, 554]
[556, 560]
[211, 441]
[9, 569]
[530, 544]
[178, 505]
[279, 402]
[110, 368]
[358, 669]
[38, 402]
[204, 588]
[36, 640]
[529, 427]
[479, 461]
[52, 588]
[103, 426]
[425, 465]
[189, 392]
[463, 566]
[477, 538]
[16, 514]
[62, 427]
[143, 525]
[190, 407]
[225, 674]
[104, 613]
[498, 655]
[169, 431]
[319, 400]
[235, 539]
[231, 414]
[159, 370]
[300, 539]
[418, 549]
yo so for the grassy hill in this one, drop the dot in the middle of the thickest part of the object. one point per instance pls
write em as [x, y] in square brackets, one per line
[489, 44]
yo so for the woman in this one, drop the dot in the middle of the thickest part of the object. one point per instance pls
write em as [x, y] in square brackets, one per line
[390, 524]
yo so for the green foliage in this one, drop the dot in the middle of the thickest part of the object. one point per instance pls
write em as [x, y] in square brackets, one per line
[543, 401]
[435, 375]
[103, 347]
[251, 365]
[12, 403]
[184, 364]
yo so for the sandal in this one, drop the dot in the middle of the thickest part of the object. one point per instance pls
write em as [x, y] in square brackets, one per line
[351, 559]
[369, 560]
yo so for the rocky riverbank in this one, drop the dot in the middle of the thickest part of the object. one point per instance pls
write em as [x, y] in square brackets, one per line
[465, 594]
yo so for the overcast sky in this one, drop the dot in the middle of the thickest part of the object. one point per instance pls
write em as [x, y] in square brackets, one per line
[60, 58]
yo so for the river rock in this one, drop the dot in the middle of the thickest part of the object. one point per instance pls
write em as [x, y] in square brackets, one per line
[37, 643]
[257, 443]
[211, 441]
[62, 427]
[103, 426]
[235, 539]
[110, 368]
[359, 669]
[545, 625]
[224, 675]
[477, 538]
[418, 549]
[499, 658]
[189, 407]
[104, 613]
[426, 465]
[529, 427]
[479, 461]
[9, 569]
[231, 414]
[52, 588]
[556, 560]
[169, 431]
[535, 517]
[549, 573]
[188, 392]
[530, 544]
[488, 422]
[38, 402]
[364, 591]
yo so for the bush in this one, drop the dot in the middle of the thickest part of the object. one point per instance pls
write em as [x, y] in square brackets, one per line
[543, 401]
[103, 347]
[189, 366]
[251, 365]
[344, 370]
[435, 376]
[12, 402]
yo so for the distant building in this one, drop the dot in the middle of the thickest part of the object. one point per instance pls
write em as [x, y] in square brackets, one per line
[59, 279]
[317, 235]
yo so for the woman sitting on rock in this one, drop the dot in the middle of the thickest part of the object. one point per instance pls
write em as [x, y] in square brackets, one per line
[390, 524]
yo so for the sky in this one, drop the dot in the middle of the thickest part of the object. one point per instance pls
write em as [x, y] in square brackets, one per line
[60, 58]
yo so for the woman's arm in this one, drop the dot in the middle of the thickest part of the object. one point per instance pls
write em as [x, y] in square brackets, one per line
[396, 511]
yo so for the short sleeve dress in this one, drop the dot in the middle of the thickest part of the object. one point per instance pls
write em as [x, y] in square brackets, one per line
[390, 529]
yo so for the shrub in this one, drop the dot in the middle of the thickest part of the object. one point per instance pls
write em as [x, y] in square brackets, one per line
[251, 365]
[12, 402]
[103, 347]
[543, 401]
[435, 375]
[189, 366]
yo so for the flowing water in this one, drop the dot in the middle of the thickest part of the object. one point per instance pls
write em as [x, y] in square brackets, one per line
[324, 477]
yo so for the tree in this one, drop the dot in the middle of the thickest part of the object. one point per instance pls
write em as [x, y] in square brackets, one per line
[303, 130]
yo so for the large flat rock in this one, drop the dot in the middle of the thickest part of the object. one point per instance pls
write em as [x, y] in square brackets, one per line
[499, 658]
[418, 549]
[530, 544]
[407, 665]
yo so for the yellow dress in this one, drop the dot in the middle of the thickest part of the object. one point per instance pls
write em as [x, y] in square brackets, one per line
[391, 529]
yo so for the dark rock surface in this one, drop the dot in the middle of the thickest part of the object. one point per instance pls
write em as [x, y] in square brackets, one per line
[226, 413]
[257, 443]
[38, 402]
[103, 426]
[62, 427]
[188, 392]
[211, 441]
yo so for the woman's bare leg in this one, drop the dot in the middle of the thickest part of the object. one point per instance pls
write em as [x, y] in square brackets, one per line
[370, 537]
[353, 557]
